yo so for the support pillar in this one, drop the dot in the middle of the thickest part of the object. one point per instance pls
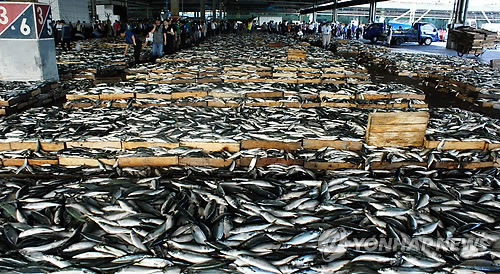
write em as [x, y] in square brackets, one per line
[221, 9]
[460, 12]
[93, 10]
[202, 9]
[214, 9]
[314, 13]
[174, 7]
[335, 12]
[373, 12]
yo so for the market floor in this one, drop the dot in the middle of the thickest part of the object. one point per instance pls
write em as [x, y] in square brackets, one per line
[440, 48]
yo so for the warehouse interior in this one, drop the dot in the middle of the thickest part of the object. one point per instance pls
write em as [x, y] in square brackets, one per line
[249, 136]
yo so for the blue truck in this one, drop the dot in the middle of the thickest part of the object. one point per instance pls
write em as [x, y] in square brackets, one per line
[422, 33]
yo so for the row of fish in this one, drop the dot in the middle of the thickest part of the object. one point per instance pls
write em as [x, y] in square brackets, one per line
[411, 221]
[450, 68]
[172, 124]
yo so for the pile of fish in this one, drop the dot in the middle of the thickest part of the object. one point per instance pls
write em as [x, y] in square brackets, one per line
[94, 58]
[173, 124]
[349, 221]
[234, 125]
[241, 93]
[466, 77]
[11, 90]
[16, 96]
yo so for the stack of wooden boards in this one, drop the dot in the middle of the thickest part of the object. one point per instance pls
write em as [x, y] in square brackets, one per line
[397, 129]
[36, 96]
[296, 55]
[467, 39]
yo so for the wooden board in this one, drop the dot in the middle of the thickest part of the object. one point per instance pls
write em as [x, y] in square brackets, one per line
[493, 146]
[222, 104]
[391, 128]
[134, 145]
[116, 96]
[402, 129]
[153, 96]
[336, 144]
[264, 104]
[265, 94]
[76, 161]
[147, 161]
[217, 94]
[337, 105]
[179, 95]
[213, 146]
[398, 118]
[72, 97]
[289, 146]
[457, 145]
[31, 162]
[45, 146]
[213, 162]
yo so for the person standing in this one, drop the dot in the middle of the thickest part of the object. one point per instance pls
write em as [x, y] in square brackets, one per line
[165, 28]
[58, 32]
[326, 30]
[131, 39]
[66, 35]
[358, 32]
[116, 28]
[170, 34]
[158, 39]
[389, 35]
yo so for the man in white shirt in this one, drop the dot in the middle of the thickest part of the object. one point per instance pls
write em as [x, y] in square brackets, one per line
[326, 30]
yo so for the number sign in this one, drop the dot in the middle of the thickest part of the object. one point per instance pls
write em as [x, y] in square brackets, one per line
[25, 21]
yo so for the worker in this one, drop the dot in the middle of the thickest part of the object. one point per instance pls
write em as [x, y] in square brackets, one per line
[159, 39]
[389, 36]
[326, 30]
[58, 32]
[66, 35]
[131, 39]
[170, 35]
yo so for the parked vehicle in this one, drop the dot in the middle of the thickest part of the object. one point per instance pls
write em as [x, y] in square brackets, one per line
[375, 32]
[422, 33]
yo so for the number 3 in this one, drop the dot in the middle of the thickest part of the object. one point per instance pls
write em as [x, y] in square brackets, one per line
[3, 16]
[40, 15]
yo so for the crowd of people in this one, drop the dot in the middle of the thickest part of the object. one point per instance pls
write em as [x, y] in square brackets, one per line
[169, 35]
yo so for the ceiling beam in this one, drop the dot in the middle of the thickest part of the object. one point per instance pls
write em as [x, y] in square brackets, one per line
[340, 4]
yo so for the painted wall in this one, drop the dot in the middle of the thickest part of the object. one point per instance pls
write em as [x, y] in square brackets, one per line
[69, 10]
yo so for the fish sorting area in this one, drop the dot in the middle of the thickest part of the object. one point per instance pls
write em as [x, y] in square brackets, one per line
[253, 154]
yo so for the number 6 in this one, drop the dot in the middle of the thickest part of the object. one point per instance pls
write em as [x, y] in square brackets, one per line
[25, 29]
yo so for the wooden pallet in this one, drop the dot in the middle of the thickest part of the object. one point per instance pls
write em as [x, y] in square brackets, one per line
[401, 129]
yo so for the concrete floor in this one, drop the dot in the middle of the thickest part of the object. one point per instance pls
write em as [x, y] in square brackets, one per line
[440, 48]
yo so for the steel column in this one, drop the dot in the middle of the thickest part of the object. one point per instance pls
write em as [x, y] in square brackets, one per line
[373, 11]
[174, 7]
[202, 9]
[214, 9]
